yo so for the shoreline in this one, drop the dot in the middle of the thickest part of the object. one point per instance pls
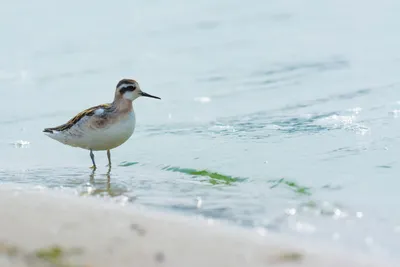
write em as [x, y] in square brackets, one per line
[52, 228]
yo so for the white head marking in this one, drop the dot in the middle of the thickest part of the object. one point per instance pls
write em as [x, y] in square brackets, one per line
[126, 85]
[129, 89]
[131, 95]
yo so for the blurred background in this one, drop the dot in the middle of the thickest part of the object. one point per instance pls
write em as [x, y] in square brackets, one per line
[281, 116]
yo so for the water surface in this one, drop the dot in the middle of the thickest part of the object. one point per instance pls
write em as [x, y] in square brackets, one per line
[278, 115]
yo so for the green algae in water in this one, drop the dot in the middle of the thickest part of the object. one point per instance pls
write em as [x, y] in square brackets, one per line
[127, 163]
[302, 190]
[291, 257]
[215, 178]
[52, 254]
[218, 178]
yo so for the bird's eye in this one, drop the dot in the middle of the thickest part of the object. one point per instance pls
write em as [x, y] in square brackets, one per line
[129, 88]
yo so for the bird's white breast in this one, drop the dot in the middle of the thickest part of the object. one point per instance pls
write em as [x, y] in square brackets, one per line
[113, 135]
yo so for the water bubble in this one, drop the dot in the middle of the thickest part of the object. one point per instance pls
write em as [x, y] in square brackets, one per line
[21, 144]
[395, 113]
[290, 211]
[199, 202]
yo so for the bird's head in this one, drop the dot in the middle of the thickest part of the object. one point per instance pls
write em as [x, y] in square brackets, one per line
[129, 89]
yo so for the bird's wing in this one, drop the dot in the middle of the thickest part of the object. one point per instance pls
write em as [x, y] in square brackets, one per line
[87, 112]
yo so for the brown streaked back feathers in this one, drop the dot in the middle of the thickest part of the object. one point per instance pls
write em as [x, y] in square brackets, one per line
[87, 112]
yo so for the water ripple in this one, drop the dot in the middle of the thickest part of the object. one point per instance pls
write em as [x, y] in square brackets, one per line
[334, 64]
[262, 125]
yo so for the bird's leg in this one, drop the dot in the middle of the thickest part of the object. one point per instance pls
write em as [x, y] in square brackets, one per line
[109, 158]
[92, 157]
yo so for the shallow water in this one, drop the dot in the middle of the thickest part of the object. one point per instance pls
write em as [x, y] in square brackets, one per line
[293, 109]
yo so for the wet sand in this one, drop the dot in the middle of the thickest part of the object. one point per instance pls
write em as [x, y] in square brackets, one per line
[51, 228]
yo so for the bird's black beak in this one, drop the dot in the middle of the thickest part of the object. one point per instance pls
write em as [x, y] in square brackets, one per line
[148, 95]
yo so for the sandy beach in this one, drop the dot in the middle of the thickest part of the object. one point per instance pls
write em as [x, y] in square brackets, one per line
[51, 228]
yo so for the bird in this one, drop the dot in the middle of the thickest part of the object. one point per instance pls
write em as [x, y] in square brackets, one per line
[105, 126]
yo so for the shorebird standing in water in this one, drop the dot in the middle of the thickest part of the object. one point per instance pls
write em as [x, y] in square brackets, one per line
[102, 127]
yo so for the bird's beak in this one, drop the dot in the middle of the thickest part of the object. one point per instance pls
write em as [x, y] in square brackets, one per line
[148, 95]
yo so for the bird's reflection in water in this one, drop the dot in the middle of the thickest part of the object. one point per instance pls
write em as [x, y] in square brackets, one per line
[100, 185]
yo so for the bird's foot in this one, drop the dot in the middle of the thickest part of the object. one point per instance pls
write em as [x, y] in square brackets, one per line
[93, 167]
[109, 168]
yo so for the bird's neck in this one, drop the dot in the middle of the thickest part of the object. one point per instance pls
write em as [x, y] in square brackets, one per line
[122, 105]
